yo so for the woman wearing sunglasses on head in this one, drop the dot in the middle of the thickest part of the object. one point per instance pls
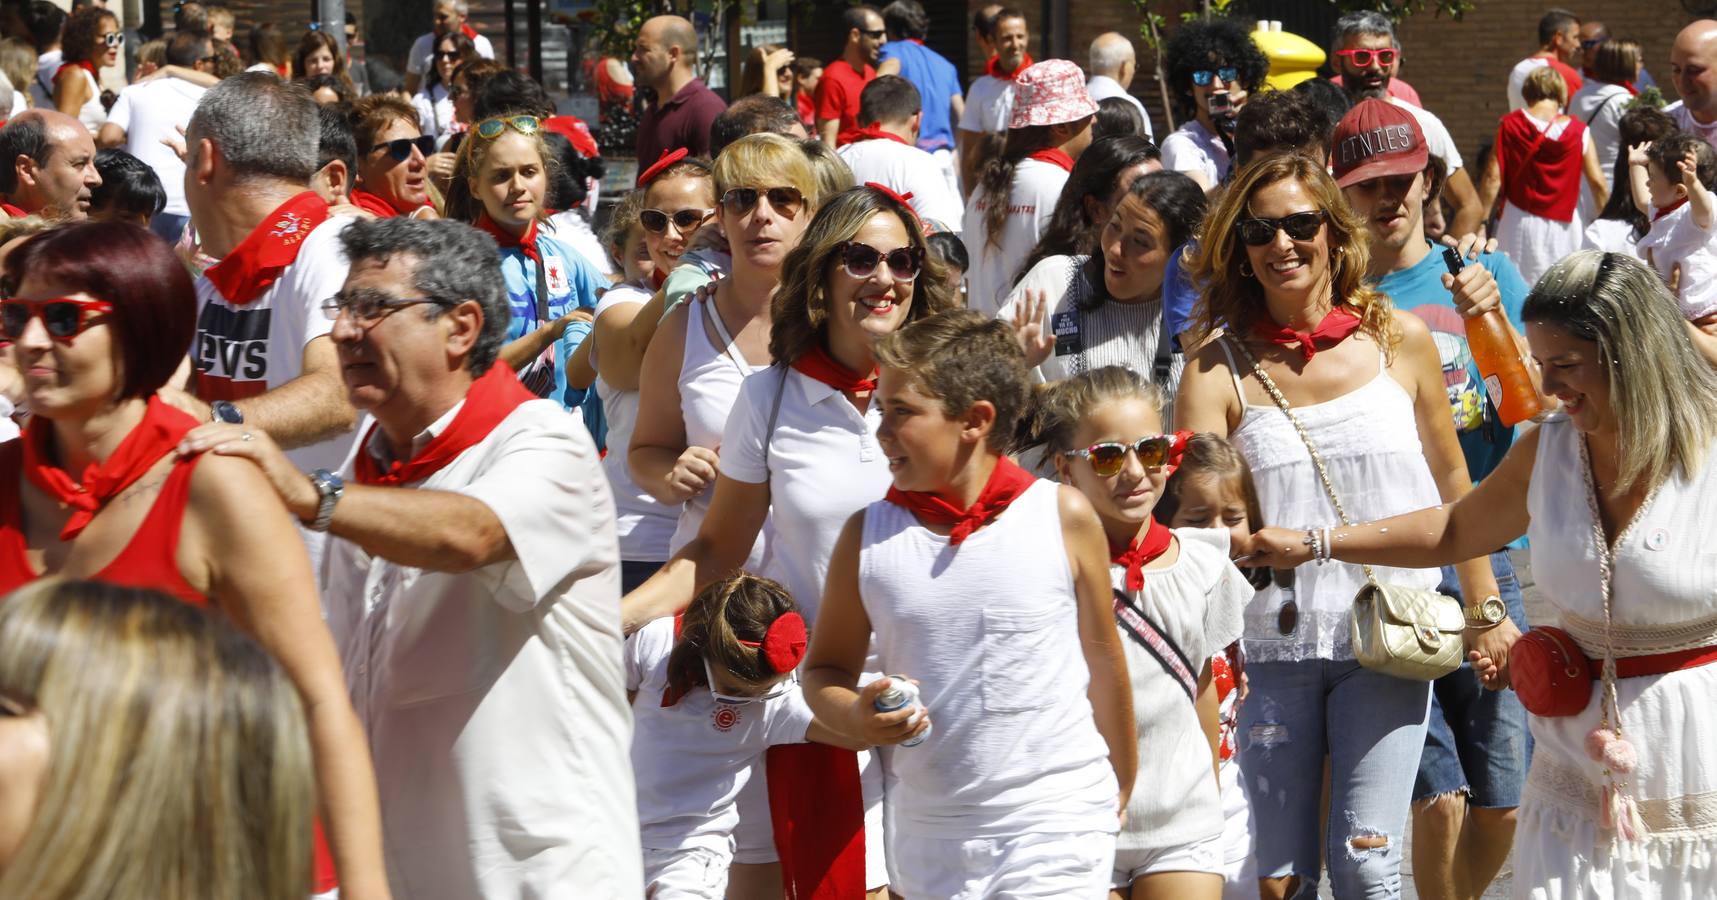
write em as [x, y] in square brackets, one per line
[100, 314]
[1212, 68]
[1283, 259]
[392, 178]
[91, 40]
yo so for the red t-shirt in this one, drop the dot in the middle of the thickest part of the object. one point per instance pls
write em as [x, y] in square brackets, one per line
[838, 97]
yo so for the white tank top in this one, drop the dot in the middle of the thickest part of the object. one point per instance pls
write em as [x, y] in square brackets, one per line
[991, 631]
[1369, 440]
[92, 114]
[710, 379]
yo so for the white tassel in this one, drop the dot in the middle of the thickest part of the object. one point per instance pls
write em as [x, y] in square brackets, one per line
[1620, 814]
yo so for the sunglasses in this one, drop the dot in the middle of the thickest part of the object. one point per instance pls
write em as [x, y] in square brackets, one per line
[1225, 74]
[873, 35]
[685, 221]
[778, 689]
[1363, 58]
[784, 72]
[113, 38]
[861, 260]
[784, 200]
[447, 54]
[1587, 45]
[400, 148]
[1301, 226]
[489, 129]
[1108, 457]
[63, 317]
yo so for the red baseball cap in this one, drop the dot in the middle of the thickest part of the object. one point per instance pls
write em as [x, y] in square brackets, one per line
[1375, 139]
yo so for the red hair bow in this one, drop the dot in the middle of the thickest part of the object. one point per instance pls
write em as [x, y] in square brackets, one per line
[783, 643]
[902, 199]
[1177, 449]
[669, 157]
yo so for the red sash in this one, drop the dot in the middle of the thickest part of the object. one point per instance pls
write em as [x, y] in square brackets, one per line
[259, 259]
[1335, 328]
[492, 398]
[817, 363]
[1007, 482]
[160, 430]
[817, 807]
[469, 31]
[1540, 176]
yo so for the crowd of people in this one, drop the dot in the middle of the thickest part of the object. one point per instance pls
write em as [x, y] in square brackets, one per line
[902, 489]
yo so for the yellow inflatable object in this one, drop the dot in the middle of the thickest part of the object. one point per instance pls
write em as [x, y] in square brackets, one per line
[1293, 59]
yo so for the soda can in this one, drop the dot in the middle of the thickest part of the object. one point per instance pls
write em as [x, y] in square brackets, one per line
[900, 694]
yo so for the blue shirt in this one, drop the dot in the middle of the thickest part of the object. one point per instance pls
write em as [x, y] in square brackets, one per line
[572, 283]
[937, 81]
[1179, 293]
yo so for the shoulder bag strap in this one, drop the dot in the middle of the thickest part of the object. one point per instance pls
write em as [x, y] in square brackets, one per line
[1601, 107]
[542, 286]
[1142, 630]
[1164, 361]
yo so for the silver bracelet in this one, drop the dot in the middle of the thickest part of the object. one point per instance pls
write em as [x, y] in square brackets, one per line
[1328, 547]
[1315, 542]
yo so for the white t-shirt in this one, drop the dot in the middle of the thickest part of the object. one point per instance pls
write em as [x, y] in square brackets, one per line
[42, 88]
[494, 700]
[571, 228]
[1684, 120]
[422, 54]
[1517, 80]
[692, 758]
[643, 524]
[1677, 240]
[1102, 87]
[1036, 187]
[905, 169]
[1437, 138]
[151, 112]
[989, 105]
[1194, 148]
[242, 351]
[434, 107]
[1611, 236]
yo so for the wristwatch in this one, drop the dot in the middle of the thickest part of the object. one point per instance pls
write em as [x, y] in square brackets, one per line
[222, 411]
[329, 487]
[1490, 612]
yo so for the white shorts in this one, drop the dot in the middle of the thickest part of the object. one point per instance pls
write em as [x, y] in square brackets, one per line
[1198, 856]
[1072, 865]
[687, 872]
[754, 836]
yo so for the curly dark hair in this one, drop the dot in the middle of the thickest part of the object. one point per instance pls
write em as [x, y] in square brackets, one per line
[83, 34]
[1207, 45]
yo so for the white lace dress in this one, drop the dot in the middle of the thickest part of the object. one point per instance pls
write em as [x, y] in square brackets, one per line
[1664, 597]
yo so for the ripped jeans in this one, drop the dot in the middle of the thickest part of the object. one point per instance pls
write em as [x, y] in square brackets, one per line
[1373, 728]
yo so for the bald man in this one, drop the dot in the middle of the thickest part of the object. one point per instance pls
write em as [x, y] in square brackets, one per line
[1693, 68]
[1112, 66]
[683, 107]
[49, 165]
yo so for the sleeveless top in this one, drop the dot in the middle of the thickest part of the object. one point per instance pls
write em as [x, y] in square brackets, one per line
[991, 631]
[710, 379]
[92, 114]
[150, 560]
[1369, 441]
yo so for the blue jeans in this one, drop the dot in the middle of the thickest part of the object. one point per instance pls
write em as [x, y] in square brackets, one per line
[1477, 742]
[1372, 727]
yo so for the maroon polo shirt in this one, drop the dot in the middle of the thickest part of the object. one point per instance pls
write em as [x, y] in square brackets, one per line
[838, 97]
[683, 121]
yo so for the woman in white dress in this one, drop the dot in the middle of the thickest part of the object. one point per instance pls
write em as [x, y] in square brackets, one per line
[1616, 495]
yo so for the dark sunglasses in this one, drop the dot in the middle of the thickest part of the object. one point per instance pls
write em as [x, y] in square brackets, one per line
[400, 148]
[784, 72]
[873, 35]
[1225, 74]
[63, 317]
[685, 221]
[489, 129]
[1363, 58]
[1587, 45]
[447, 54]
[1108, 457]
[1301, 226]
[785, 200]
[861, 260]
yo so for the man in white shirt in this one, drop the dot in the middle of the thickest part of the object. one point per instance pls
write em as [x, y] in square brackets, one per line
[989, 101]
[151, 113]
[1558, 48]
[885, 151]
[449, 17]
[45, 21]
[1113, 63]
[473, 586]
[1693, 68]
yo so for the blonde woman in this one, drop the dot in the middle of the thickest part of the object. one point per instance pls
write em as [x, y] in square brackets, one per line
[146, 745]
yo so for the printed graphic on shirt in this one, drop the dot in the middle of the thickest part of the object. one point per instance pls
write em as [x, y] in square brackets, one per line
[1065, 325]
[232, 352]
[1228, 703]
[557, 283]
[724, 718]
[1466, 391]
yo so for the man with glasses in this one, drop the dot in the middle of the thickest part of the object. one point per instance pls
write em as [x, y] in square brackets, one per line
[392, 173]
[449, 17]
[844, 79]
[151, 113]
[471, 583]
[683, 107]
[1558, 48]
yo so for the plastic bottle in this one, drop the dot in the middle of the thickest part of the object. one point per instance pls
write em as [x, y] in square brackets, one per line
[900, 694]
[1507, 379]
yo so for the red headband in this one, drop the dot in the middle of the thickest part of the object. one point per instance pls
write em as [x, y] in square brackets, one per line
[669, 157]
[1177, 449]
[783, 642]
[902, 199]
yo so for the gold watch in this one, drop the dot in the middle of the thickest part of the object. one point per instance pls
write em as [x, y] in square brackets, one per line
[1490, 611]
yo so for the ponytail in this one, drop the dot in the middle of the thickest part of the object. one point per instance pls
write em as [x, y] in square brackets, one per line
[997, 177]
[722, 617]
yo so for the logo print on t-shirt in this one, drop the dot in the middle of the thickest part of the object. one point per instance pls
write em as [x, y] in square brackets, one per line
[1466, 393]
[556, 277]
[290, 229]
[231, 351]
[725, 718]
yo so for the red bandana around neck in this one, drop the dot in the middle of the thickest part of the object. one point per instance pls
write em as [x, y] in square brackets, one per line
[527, 243]
[1633, 90]
[658, 278]
[993, 68]
[372, 203]
[160, 430]
[1007, 482]
[83, 64]
[259, 259]
[469, 31]
[492, 398]
[819, 364]
[1054, 156]
[1140, 552]
[1335, 328]
[874, 132]
[13, 211]
[1658, 214]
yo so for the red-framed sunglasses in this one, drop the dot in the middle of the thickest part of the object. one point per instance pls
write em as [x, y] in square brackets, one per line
[1362, 58]
[64, 317]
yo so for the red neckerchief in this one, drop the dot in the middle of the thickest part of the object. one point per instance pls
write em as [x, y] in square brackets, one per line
[270, 247]
[527, 243]
[915, 41]
[658, 278]
[83, 64]
[1668, 209]
[1140, 552]
[994, 70]
[1007, 482]
[1335, 327]
[1054, 156]
[155, 436]
[1632, 91]
[492, 398]
[469, 31]
[817, 363]
[372, 203]
[873, 132]
[13, 211]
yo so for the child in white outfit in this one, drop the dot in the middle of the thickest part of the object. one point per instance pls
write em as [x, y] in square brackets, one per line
[1672, 181]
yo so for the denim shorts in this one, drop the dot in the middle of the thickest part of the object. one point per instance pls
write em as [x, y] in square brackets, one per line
[1477, 742]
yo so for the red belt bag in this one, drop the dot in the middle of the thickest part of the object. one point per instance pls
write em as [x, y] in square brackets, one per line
[1553, 676]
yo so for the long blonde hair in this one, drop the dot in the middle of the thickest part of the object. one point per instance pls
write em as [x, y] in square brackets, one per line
[179, 764]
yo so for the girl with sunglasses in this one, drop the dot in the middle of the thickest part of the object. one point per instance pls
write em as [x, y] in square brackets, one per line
[499, 186]
[711, 691]
[392, 178]
[1283, 260]
[1206, 60]
[92, 40]
[434, 102]
[1177, 603]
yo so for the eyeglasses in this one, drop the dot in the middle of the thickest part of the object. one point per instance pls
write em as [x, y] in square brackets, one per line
[781, 688]
[113, 38]
[447, 54]
[400, 148]
[873, 35]
[784, 200]
[489, 129]
[784, 72]
[1587, 45]
[1301, 226]
[64, 317]
[1362, 59]
[1108, 457]
[367, 308]
[1225, 74]
[685, 221]
[861, 260]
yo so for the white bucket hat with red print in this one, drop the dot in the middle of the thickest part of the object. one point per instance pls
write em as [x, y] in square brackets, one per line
[1050, 93]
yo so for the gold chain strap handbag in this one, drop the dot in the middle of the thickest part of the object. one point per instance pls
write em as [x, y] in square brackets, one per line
[1401, 631]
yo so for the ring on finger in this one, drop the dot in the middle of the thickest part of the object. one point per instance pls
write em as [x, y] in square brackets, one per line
[246, 436]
